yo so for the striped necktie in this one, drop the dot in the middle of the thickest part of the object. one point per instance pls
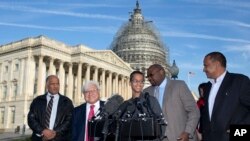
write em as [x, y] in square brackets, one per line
[48, 112]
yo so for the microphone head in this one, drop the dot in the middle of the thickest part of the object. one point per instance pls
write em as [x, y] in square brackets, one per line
[112, 104]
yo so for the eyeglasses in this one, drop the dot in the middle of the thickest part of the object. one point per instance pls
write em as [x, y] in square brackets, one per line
[137, 82]
[90, 91]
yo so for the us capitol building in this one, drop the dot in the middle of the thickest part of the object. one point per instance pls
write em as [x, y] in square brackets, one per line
[25, 64]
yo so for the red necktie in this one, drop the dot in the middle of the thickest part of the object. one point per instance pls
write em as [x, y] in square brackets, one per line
[91, 114]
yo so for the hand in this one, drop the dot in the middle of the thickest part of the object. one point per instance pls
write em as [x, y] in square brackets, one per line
[48, 134]
[183, 137]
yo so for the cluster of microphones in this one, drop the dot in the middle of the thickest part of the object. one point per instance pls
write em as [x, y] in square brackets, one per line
[115, 109]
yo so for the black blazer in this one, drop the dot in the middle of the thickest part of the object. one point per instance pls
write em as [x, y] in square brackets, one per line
[36, 117]
[231, 106]
[78, 122]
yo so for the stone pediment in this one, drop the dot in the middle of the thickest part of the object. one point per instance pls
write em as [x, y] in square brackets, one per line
[109, 56]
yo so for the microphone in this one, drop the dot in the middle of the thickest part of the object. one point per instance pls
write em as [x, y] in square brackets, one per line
[157, 112]
[130, 109]
[121, 110]
[110, 106]
[147, 104]
[139, 106]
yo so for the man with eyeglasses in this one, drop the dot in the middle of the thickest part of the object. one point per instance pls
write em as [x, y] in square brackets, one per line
[177, 103]
[86, 111]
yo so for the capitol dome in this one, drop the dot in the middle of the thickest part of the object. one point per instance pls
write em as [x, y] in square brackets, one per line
[138, 43]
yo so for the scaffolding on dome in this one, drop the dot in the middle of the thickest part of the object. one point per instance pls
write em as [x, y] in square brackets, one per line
[139, 43]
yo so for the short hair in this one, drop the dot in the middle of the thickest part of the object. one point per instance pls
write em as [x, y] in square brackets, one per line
[88, 83]
[218, 56]
[158, 66]
[202, 86]
[133, 73]
[50, 76]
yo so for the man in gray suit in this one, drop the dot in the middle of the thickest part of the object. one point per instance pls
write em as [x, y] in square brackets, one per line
[177, 103]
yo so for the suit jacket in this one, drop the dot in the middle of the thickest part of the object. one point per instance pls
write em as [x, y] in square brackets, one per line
[231, 106]
[36, 117]
[79, 121]
[179, 109]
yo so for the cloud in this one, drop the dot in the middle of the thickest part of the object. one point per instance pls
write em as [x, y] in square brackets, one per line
[105, 29]
[202, 36]
[64, 13]
[223, 3]
[243, 49]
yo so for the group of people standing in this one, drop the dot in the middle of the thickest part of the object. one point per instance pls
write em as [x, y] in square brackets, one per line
[52, 116]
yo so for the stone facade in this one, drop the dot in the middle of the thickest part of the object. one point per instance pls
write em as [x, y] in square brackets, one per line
[25, 64]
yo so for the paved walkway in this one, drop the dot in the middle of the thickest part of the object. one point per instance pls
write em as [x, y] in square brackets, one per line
[9, 136]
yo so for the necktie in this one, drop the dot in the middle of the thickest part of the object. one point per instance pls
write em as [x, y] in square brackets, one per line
[48, 112]
[91, 114]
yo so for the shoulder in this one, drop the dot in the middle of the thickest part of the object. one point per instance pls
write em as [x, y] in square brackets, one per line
[177, 84]
[65, 98]
[40, 98]
[149, 89]
[80, 107]
[238, 75]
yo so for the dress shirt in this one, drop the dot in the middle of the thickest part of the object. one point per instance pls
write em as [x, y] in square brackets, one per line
[54, 109]
[161, 91]
[97, 106]
[213, 92]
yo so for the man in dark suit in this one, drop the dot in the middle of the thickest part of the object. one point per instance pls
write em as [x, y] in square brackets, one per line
[91, 92]
[227, 99]
[178, 104]
[54, 126]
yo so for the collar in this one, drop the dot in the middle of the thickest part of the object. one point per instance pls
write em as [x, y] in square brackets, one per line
[219, 79]
[55, 95]
[96, 104]
[163, 83]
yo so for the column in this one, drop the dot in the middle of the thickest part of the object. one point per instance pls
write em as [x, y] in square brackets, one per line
[61, 75]
[21, 77]
[128, 90]
[116, 84]
[122, 86]
[29, 76]
[10, 76]
[70, 82]
[109, 84]
[39, 77]
[52, 70]
[102, 83]
[96, 74]
[87, 75]
[79, 83]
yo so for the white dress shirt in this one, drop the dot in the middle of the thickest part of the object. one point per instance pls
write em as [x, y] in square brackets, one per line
[159, 91]
[54, 109]
[213, 92]
[96, 108]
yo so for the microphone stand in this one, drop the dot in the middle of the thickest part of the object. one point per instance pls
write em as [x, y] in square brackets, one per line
[117, 129]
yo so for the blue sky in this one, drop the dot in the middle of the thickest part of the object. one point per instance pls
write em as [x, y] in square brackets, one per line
[189, 28]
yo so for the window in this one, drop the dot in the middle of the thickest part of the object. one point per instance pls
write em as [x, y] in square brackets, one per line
[6, 69]
[4, 91]
[15, 90]
[16, 67]
[2, 115]
[12, 114]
